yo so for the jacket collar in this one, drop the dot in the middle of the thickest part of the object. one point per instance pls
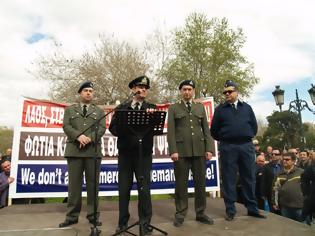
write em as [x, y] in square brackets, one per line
[91, 109]
[144, 105]
[184, 106]
[227, 104]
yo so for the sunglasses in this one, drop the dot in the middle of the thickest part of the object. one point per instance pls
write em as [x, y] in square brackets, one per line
[228, 92]
[287, 159]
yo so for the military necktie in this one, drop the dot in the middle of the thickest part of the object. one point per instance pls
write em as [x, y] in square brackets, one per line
[84, 110]
[233, 106]
[188, 106]
[137, 106]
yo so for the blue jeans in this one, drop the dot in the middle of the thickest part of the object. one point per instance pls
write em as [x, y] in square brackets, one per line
[292, 213]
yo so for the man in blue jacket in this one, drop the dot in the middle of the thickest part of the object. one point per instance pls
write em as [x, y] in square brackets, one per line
[234, 125]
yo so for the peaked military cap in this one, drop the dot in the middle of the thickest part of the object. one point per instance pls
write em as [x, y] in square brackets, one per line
[186, 82]
[230, 83]
[141, 80]
[87, 84]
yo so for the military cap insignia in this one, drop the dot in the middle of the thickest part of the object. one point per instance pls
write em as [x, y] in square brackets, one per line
[141, 80]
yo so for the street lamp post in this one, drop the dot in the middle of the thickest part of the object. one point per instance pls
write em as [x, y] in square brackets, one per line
[278, 94]
[297, 105]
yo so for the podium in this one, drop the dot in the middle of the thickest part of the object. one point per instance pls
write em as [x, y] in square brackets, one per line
[141, 123]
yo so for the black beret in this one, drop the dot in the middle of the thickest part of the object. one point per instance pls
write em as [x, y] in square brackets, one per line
[141, 80]
[230, 83]
[186, 82]
[86, 84]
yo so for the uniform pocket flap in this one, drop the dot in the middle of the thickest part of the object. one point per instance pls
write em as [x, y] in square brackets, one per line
[199, 116]
[179, 140]
[75, 116]
[179, 115]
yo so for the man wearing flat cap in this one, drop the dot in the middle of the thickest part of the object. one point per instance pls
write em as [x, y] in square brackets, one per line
[189, 142]
[128, 160]
[80, 153]
[234, 125]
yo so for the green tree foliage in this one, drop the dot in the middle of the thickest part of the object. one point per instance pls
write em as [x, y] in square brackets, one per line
[111, 66]
[209, 52]
[6, 138]
[310, 136]
[283, 130]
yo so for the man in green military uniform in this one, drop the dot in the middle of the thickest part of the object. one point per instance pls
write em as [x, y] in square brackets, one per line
[80, 153]
[189, 143]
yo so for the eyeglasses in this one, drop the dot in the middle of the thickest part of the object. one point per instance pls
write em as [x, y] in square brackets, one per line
[286, 159]
[228, 92]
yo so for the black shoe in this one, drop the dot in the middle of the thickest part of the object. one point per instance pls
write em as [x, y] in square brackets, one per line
[256, 214]
[98, 223]
[147, 230]
[120, 228]
[229, 217]
[67, 223]
[205, 220]
[178, 222]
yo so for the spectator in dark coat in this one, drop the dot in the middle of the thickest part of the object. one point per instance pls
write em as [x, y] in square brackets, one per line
[260, 162]
[5, 181]
[308, 189]
[270, 171]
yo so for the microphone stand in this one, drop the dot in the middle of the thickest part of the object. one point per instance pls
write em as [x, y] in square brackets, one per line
[94, 230]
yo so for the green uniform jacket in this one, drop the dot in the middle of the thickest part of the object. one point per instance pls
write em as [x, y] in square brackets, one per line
[188, 134]
[74, 123]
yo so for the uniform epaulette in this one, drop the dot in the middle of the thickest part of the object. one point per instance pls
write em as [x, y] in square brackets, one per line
[73, 105]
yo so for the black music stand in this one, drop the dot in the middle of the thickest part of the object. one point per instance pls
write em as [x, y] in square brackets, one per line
[141, 123]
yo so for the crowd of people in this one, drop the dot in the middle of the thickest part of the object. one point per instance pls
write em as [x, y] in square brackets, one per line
[285, 182]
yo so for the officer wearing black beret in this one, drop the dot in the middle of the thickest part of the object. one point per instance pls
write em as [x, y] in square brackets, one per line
[128, 160]
[80, 153]
[189, 141]
[187, 82]
[84, 85]
[234, 125]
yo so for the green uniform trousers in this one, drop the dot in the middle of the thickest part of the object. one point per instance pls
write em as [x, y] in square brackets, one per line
[181, 170]
[76, 167]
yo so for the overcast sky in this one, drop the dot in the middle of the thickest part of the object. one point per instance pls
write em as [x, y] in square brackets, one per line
[280, 40]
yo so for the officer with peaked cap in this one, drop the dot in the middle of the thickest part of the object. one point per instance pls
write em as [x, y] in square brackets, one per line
[80, 153]
[234, 125]
[189, 142]
[141, 80]
[128, 160]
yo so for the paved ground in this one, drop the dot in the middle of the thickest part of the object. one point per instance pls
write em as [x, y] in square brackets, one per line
[43, 219]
